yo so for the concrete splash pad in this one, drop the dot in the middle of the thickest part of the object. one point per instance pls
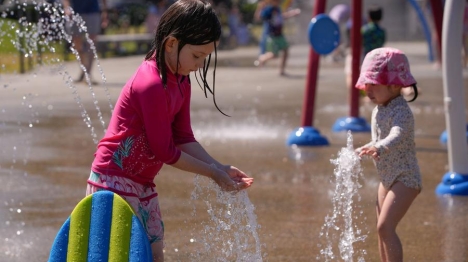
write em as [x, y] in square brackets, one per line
[45, 175]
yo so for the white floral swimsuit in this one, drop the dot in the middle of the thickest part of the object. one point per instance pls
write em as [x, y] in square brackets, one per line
[393, 136]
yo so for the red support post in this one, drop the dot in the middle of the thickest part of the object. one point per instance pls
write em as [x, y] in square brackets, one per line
[356, 43]
[437, 8]
[311, 81]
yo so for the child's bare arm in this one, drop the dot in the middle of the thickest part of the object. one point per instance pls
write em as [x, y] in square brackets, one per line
[258, 11]
[291, 13]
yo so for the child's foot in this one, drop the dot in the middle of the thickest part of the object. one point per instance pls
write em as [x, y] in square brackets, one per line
[84, 81]
[94, 82]
[80, 78]
[259, 63]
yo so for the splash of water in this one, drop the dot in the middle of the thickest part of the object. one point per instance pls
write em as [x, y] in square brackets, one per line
[37, 39]
[31, 36]
[340, 230]
[231, 234]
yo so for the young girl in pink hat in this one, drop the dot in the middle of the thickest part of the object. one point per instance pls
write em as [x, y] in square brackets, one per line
[384, 73]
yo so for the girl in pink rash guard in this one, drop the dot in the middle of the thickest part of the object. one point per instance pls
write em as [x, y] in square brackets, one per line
[150, 125]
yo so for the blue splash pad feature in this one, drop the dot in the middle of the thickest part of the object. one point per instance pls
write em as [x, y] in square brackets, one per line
[306, 136]
[324, 34]
[444, 136]
[354, 124]
[453, 184]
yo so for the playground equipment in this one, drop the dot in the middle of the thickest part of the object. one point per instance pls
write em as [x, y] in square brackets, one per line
[444, 136]
[324, 37]
[354, 122]
[324, 34]
[454, 182]
[307, 135]
[426, 29]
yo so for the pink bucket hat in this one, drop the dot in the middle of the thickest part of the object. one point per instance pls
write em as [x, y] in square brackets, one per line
[385, 66]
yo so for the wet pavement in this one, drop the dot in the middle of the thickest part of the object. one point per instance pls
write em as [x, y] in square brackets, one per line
[47, 148]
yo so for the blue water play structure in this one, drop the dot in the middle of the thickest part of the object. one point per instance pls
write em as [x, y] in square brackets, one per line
[444, 136]
[425, 26]
[324, 34]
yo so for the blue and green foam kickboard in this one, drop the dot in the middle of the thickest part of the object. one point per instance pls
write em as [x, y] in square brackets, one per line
[102, 227]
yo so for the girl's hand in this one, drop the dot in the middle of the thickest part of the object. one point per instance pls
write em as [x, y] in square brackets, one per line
[370, 151]
[239, 177]
[231, 179]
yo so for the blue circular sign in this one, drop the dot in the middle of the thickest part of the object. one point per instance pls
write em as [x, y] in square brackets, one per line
[324, 34]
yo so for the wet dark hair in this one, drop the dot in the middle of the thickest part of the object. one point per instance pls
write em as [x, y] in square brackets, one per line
[415, 88]
[192, 22]
[375, 13]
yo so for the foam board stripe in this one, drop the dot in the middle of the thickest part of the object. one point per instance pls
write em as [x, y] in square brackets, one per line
[58, 252]
[120, 231]
[100, 227]
[140, 250]
[79, 231]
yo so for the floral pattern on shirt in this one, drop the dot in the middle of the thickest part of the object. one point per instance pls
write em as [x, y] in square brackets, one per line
[130, 153]
[122, 152]
[393, 136]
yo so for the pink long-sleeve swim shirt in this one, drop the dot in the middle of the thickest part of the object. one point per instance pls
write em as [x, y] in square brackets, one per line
[148, 122]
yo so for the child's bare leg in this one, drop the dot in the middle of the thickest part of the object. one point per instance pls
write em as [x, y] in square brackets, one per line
[265, 57]
[157, 249]
[394, 206]
[349, 81]
[283, 62]
[78, 44]
[381, 193]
